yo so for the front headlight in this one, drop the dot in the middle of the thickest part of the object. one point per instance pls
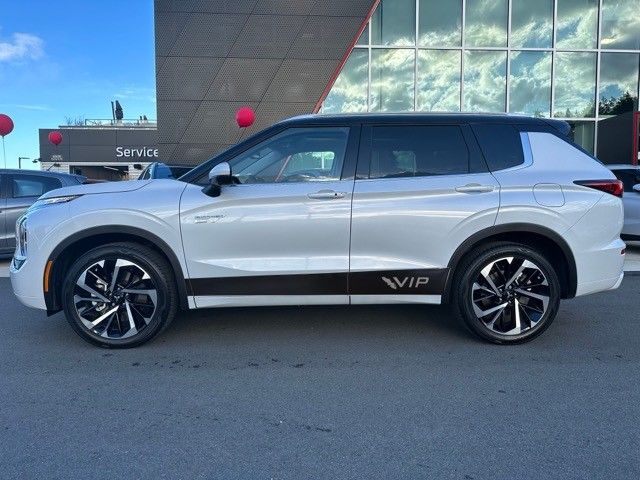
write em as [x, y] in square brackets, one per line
[21, 237]
[52, 201]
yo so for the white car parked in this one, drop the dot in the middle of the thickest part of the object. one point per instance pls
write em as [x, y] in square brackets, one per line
[501, 216]
[629, 175]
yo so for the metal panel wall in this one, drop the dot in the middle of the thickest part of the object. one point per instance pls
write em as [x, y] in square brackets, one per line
[101, 145]
[214, 56]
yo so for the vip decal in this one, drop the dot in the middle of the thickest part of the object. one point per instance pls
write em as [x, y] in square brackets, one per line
[396, 283]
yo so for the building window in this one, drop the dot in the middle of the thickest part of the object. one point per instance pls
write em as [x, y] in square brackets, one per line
[530, 83]
[620, 24]
[394, 23]
[497, 56]
[349, 93]
[577, 24]
[575, 92]
[618, 83]
[486, 23]
[531, 23]
[484, 81]
[438, 80]
[392, 82]
[583, 133]
[440, 23]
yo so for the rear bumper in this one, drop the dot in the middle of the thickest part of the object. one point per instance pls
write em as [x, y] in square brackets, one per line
[601, 269]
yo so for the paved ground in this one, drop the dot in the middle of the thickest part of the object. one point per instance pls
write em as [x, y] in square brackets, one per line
[359, 392]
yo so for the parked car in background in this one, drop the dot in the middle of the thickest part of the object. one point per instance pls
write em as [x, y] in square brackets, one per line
[630, 176]
[470, 210]
[18, 190]
[162, 170]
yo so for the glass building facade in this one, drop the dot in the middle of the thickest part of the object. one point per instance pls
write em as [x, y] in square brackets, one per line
[577, 60]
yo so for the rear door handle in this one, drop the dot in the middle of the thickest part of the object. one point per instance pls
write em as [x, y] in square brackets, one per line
[475, 188]
[326, 195]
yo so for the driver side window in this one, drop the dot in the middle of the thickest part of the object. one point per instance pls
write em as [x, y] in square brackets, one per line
[294, 155]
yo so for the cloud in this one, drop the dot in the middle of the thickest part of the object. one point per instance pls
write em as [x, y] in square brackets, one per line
[21, 46]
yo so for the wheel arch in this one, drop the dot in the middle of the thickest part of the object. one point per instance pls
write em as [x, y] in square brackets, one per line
[77, 244]
[532, 235]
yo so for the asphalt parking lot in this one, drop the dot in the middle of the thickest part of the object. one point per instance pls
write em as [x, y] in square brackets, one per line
[324, 392]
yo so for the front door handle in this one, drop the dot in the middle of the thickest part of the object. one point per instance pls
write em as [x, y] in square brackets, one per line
[326, 195]
[475, 188]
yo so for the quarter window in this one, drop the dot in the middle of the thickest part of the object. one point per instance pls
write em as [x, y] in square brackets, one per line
[295, 155]
[33, 185]
[417, 151]
[500, 144]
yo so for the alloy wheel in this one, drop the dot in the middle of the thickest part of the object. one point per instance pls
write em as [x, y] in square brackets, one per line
[510, 295]
[115, 298]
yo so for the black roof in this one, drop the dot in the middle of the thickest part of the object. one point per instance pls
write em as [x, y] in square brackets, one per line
[422, 117]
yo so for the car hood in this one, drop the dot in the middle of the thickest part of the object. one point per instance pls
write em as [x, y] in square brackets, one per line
[107, 187]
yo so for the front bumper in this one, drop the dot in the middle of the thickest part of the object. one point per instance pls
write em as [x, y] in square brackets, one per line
[26, 282]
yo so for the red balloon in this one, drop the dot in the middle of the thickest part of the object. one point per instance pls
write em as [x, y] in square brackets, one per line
[55, 138]
[245, 117]
[6, 125]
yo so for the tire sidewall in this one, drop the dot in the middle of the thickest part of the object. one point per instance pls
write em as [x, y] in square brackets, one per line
[105, 253]
[465, 303]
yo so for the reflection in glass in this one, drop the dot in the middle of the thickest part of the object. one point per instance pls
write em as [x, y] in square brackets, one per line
[438, 80]
[577, 23]
[486, 23]
[440, 23]
[575, 84]
[531, 23]
[618, 83]
[349, 92]
[394, 23]
[530, 83]
[392, 80]
[364, 38]
[485, 77]
[583, 134]
[621, 24]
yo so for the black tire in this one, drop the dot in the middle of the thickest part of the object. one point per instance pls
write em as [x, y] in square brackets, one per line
[149, 270]
[468, 300]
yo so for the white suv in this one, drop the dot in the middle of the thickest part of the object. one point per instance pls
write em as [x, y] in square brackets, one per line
[501, 216]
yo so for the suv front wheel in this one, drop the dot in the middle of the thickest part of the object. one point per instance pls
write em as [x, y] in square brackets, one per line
[506, 292]
[119, 295]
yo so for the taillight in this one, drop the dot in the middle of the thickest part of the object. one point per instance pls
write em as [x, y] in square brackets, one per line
[614, 187]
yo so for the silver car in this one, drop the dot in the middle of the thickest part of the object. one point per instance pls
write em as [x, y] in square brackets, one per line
[18, 190]
[630, 177]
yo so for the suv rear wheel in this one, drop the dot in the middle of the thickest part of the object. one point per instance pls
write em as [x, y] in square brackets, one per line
[506, 292]
[119, 295]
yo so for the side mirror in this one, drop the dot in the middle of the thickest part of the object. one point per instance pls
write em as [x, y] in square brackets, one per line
[636, 188]
[218, 176]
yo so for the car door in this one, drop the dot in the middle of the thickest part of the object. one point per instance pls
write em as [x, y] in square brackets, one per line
[280, 234]
[631, 200]
[420, 191]
[23, 190]
[4, 231]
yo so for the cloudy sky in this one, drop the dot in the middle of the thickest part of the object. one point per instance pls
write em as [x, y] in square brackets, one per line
[70, 59]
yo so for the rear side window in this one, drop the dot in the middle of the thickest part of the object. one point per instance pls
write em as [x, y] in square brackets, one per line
[33, 185]
[500, 145]
[418, 151]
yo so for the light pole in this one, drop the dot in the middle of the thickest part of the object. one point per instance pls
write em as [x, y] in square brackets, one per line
[20, 161]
